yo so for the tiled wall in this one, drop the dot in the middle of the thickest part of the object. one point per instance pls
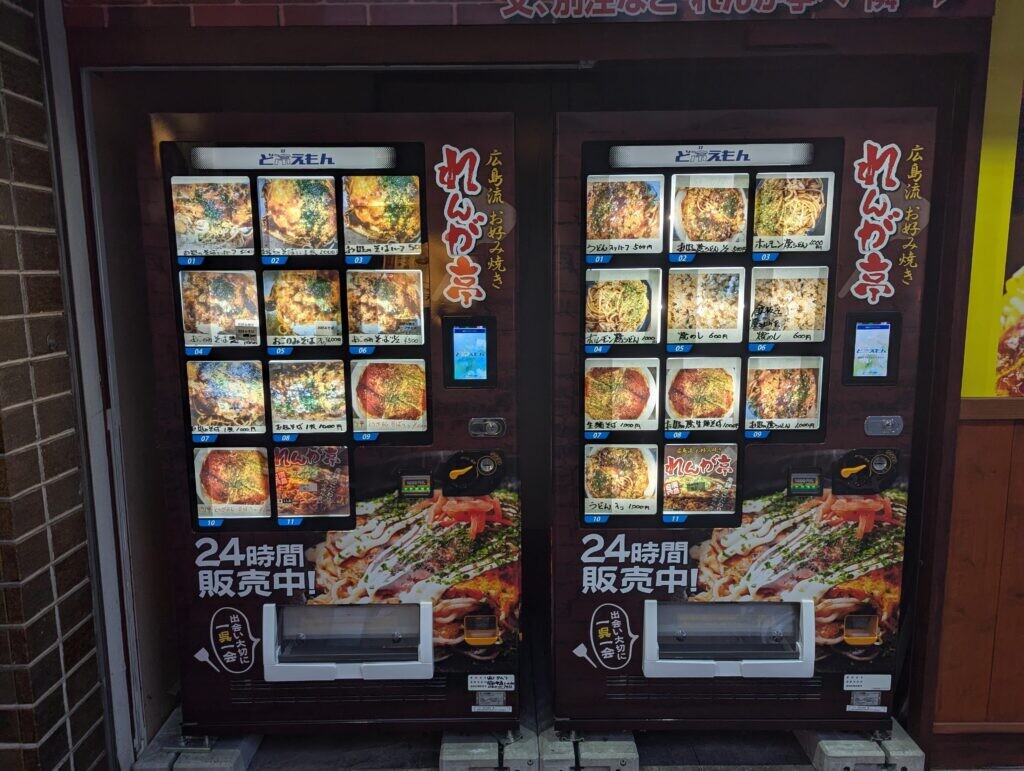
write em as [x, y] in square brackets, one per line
[51, 706]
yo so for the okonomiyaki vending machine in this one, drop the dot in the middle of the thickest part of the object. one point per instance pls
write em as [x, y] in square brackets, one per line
[338, 386]
[738, 368]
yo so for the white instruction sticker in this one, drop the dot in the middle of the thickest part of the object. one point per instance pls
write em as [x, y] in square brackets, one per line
[492, 682]
[867, 682]
[860, 708]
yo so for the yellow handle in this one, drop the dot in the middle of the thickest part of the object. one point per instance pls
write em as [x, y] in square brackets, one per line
[455, 473]
[846, 473]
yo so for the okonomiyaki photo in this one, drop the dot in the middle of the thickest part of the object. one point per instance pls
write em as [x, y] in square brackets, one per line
[298, 215]
[226, 397]
[461, 553]
[212, 215]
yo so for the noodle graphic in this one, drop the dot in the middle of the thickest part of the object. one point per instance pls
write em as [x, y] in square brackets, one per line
[844, 552]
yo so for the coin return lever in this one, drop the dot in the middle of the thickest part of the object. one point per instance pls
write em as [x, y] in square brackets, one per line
[728, 639]
[348, 642]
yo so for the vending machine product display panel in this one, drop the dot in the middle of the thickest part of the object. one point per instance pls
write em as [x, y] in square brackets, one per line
[339, 423]
[742, 299]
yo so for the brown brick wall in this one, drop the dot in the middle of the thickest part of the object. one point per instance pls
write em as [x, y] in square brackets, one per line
[51, 713]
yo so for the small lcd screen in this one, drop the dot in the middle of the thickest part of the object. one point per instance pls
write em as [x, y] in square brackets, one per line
[469, 353]
[871, 342]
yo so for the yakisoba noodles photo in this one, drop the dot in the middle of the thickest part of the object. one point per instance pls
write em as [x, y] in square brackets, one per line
[212, 214]
[788, 206]
[226, 396]
[460, 553]
[844, 552]
[617, 306]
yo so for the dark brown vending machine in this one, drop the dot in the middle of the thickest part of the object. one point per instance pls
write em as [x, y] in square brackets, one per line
[338, 407]
[740, 297]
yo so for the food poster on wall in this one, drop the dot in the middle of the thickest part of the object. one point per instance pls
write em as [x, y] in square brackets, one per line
[623, 307]
[459, 552]
[298, 215]
[1010, 350]
[624, 213]
[311, 481]
[793, 211]
[700, 479]
[219, 307]
[307, 397]
[226, 397]
[385, 307]
[232, 482]
[389, 395]
[303, 307]
[783, 392]
[705, 305]
[620, 394]
[703, 392]
[709, 212]
[620, 479]
[381, 214]
[788, 304]
[212, 216]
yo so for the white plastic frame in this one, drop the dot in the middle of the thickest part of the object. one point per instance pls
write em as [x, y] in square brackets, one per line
[274, 671]
[802, 666]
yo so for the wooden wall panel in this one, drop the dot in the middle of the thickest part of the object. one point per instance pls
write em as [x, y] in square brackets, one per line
[983, 463]
[1006, 697]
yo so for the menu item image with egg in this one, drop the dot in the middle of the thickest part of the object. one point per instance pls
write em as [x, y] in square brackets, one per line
[389, 395]
[298, 215]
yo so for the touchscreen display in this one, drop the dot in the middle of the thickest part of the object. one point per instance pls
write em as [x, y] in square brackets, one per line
[469, 348]
[871, 349]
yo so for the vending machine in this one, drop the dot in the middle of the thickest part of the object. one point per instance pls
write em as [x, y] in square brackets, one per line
[738, 369]
[337, 408]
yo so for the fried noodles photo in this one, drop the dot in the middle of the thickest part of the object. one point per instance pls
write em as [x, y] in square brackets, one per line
[788, 206]
[617, 306]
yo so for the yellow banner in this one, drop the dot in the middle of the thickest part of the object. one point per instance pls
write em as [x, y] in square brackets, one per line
[985, 317]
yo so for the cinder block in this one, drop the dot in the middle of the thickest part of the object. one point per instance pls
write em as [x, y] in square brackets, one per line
[902, 752]
[608, 752]
[557, 753]
[522, 752]
[469, 752]
[837, 751]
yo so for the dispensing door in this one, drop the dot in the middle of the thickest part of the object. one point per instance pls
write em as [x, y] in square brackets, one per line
[334, 305]
[737, 375]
